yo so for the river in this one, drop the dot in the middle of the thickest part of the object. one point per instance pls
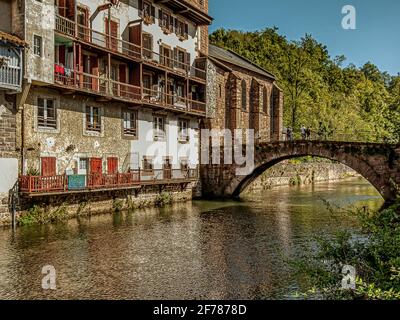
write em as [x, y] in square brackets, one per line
[199, 250]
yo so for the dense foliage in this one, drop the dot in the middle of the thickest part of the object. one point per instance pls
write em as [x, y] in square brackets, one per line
[358, 102]
[374, 253]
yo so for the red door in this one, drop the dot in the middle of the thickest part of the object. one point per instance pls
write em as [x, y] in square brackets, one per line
[48, 166]
[96, 171]
[112, 165]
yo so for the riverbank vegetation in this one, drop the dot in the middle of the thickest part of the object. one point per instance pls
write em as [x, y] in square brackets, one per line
[374, 254]
[355, 103]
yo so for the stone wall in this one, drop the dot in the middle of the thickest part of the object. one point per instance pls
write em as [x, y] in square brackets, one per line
[71, 206]
[289, 174]
[70, 140]
[7, 125]
[229, 111]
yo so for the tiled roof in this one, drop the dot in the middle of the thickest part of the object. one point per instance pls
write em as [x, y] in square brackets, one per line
[232, 57]
[4, 36]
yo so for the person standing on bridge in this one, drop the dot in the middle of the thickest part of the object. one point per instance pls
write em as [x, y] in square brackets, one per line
[303, 132]
[290, 134]
[321, 131]
[308, 133]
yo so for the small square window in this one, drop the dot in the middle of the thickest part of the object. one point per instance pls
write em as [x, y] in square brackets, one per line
[37, 45]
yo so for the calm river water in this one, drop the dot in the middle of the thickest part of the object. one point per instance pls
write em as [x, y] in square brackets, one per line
[199, 250]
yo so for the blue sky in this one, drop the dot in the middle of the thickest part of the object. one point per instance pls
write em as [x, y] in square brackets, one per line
[376, 39]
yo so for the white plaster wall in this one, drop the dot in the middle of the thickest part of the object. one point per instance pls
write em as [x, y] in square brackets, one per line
[8, 173]
[127, 13]
[171, 147]
[40, 20]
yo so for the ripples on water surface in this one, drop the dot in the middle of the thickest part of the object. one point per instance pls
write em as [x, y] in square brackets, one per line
[199, 250]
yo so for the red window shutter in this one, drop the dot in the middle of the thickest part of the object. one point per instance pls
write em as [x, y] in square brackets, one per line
[62, 7]
[71, 9]
[48, 166]
[96, 165]
[112, 165]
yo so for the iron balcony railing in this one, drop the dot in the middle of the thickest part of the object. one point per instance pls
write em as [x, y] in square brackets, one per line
[131, 179]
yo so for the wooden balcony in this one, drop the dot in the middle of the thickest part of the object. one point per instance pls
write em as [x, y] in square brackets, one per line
[190, 9]
[128, 50]
[10, 68]
[62, 184]
[125, 92]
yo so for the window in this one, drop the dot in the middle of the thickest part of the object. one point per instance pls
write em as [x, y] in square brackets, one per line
[46, 115]
[37, 45]
[159, 128]
[184, 165]
[93, 119]
[183, 127]
[148, 13]
[130, 123]
[244, 95]
[83, 164]
[180, 58]
[265, 100]
[220, 91]
[166, 56]
[147, 166]
[147, 42]
[166, 21]
[181, 29]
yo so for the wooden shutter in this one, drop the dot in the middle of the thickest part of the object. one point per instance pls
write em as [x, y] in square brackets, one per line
[153, 11]
[114, 34]
[96, 165]
[71, 9]
[171, 23]
[135, 37]
[48, 166]
[112, 165]
[62, 8]
[176, 63]
[61, 54]
[186, 30]
[140, 8]
[187, 61]
[160, 16]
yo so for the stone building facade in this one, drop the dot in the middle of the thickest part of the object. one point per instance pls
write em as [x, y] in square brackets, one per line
[111, 100]
[241, 95]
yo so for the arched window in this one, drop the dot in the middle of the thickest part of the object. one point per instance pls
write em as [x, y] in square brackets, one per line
[244, 95]
[265, 100]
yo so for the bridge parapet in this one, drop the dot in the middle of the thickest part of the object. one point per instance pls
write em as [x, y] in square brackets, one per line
[379, 163]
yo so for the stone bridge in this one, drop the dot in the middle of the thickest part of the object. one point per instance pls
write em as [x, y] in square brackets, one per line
[378, 163]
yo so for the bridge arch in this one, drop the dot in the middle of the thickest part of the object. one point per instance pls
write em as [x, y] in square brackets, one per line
[377, 163]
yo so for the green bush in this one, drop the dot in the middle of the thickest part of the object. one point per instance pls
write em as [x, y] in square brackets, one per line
[374, 253]
[38, 215]
[163, 199]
